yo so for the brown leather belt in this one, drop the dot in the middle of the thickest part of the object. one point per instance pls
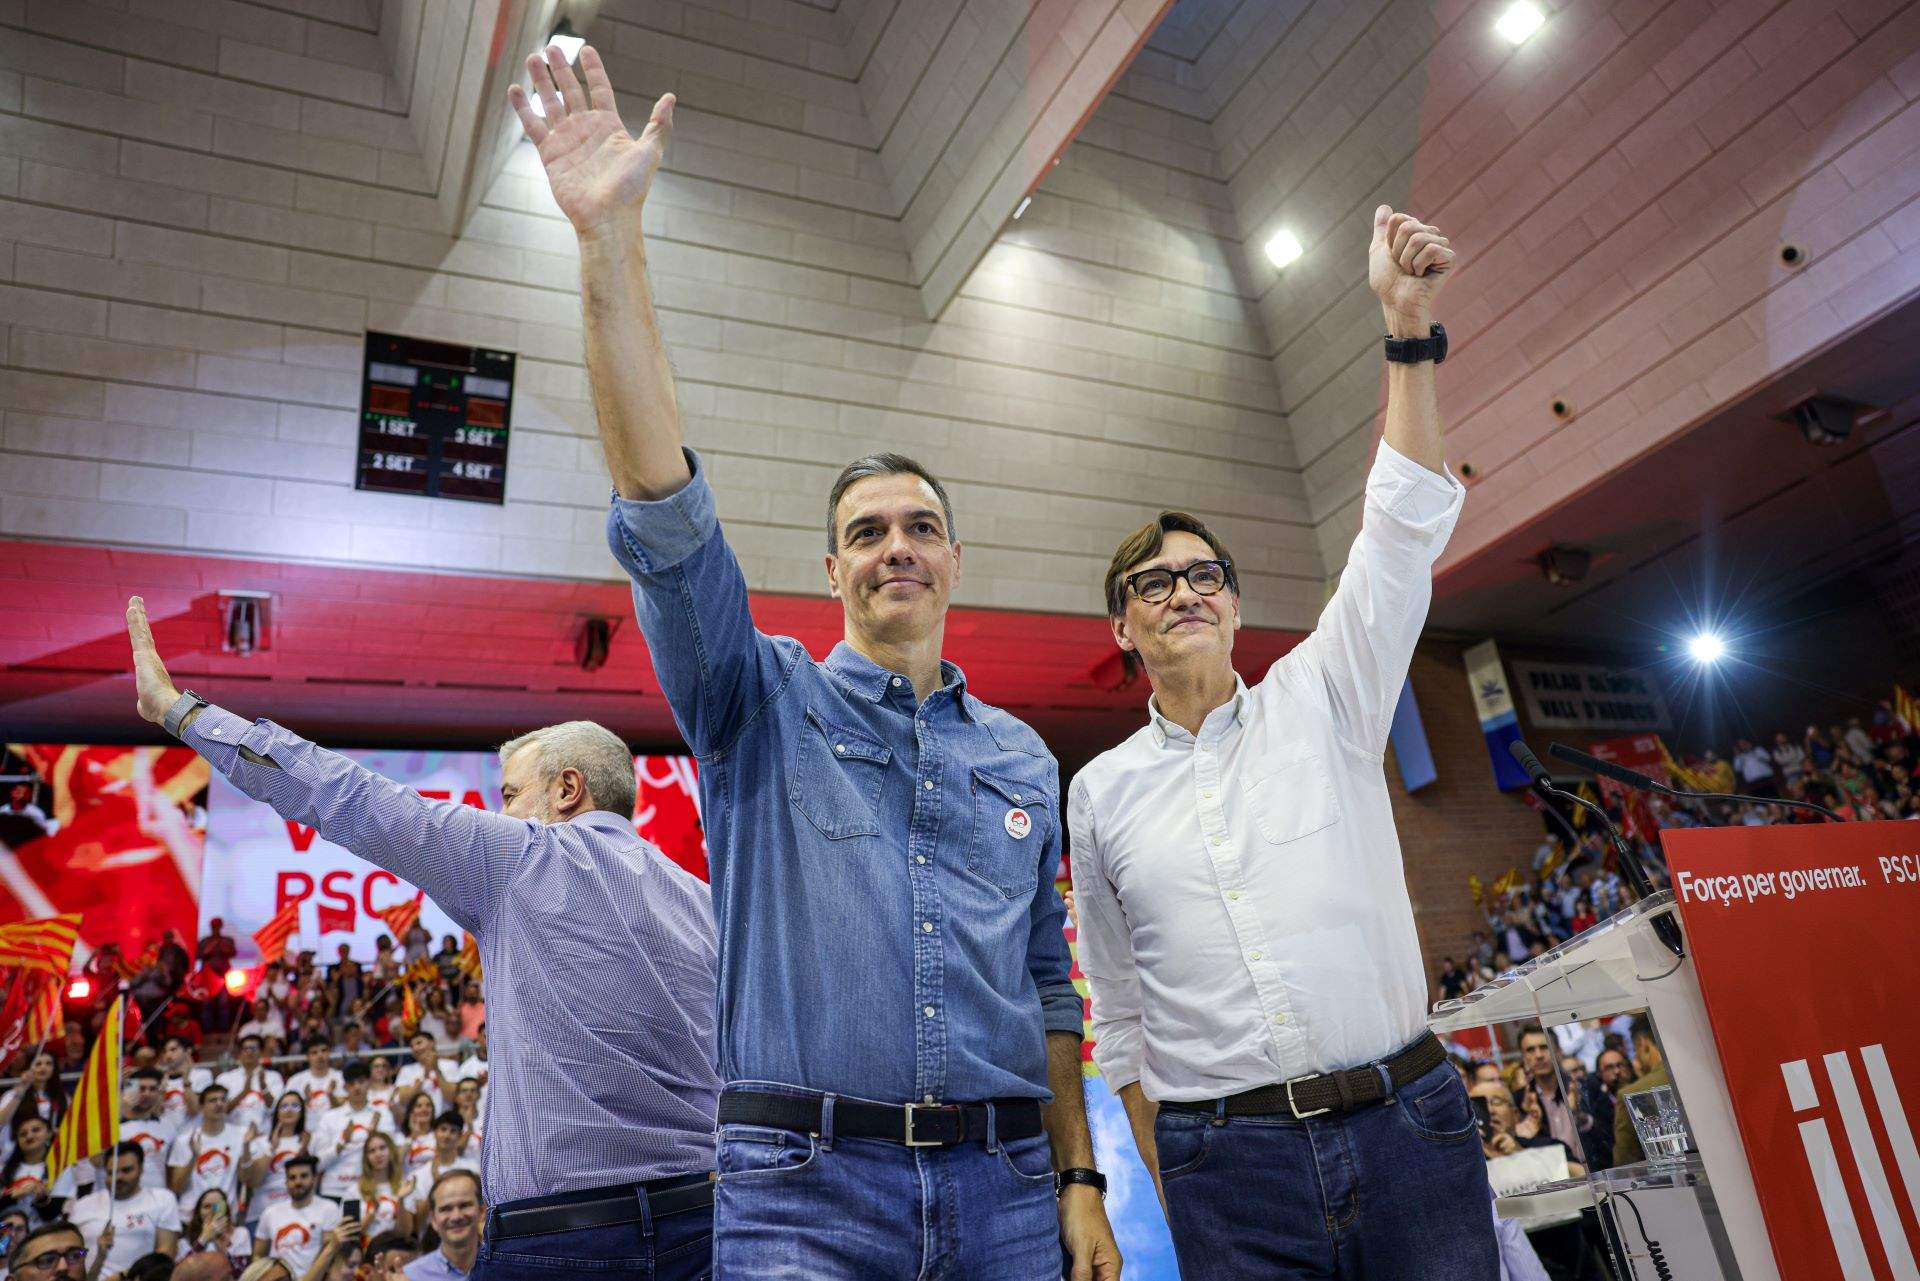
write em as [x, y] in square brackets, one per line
[1326, 1092]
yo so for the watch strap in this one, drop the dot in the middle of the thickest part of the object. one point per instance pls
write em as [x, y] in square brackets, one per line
[1413, 351]
[1080, 1174]
[182, 708]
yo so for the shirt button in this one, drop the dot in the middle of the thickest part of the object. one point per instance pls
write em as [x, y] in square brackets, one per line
[928, 785]
[1279, 1019]
[1255, 955]
[840, 748]
[1207, 794]
[896, 685]
[928, 1011]
[926, 927]
[1219, 840]
[1233, 896]
[919, 858]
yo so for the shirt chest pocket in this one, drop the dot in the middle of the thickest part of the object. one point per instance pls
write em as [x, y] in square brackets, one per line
[1294, 798]
[1012, 823]
[836, 778]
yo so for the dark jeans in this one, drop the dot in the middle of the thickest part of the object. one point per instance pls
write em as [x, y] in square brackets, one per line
[1396, 1191]
[676, 1248]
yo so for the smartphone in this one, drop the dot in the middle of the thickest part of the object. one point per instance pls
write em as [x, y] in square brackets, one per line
[351, 1210]
[1483, 1118]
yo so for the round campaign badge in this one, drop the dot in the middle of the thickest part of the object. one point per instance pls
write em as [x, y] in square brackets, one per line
[1019, 823]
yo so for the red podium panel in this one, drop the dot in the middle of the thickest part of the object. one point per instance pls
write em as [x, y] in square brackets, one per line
[1806, 942]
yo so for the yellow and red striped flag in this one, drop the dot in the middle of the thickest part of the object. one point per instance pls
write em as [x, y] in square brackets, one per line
[470, 957]
[272, 937]
[409, 1008]
[92, 1123]
[422, 970]
[402, 917]
[47, 1008]
[1907, 708]
[45, 945]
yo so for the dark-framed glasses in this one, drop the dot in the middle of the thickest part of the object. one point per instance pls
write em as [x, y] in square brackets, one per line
[1205, 577]
[54, 1258]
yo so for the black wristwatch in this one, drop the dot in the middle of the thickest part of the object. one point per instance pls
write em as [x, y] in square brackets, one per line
[1079, 1174]
[183, 706]
[1411, 351]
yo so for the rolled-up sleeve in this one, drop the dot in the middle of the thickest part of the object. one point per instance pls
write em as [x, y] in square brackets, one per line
[1048, 960]
[461, 856]
[1355, 660]
[1106, 952]
[716, 668]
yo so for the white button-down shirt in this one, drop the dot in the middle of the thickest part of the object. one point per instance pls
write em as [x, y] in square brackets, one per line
[1244, 916]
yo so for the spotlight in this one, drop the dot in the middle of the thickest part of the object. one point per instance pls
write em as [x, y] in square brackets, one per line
[236, 982]
[1021, 207]
[1283, 248]
[1521, 20]
[564, 39]
[80, 989]
[1706, 648]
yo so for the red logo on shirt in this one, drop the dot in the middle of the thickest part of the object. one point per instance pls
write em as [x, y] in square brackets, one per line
[281, 1237]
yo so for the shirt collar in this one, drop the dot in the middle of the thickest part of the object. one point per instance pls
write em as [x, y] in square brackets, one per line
[1231, 712]
[870, 681]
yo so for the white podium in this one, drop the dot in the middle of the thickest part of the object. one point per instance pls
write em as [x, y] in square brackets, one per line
[1617, 967]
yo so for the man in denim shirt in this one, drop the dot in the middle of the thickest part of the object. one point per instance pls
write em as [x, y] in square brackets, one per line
[896, 1017]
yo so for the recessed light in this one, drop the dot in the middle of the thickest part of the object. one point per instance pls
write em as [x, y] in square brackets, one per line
[1521, 20]
[1283, 248]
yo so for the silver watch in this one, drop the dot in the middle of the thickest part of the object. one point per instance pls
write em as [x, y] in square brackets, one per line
[182, 707]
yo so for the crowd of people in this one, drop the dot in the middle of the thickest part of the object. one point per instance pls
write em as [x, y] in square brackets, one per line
[1862, 771]
[334, 1135]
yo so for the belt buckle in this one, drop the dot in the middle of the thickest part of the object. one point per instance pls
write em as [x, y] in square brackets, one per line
[1293, 1107]
[909, 1140]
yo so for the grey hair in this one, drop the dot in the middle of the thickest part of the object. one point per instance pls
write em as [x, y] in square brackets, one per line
[882, 465]
[596, 751]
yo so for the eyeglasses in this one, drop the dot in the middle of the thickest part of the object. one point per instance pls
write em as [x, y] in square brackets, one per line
[54, 1258]
[1205, 577]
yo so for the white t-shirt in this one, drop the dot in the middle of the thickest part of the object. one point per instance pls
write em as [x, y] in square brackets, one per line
[294, 1234]
[380, 1214]
[154, 1135]
[339, 1141]
[380, 1098]
[320, 1092]
[250, 1104]
[273, 1185]
[239, 1247]
[413, 1074]
[216, 1166]
[174, 1091]
[475, 1067]
[425, 1175]
[417, 1152]
[137, 1223]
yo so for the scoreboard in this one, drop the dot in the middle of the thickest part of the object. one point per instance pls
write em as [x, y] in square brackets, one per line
[433, 419]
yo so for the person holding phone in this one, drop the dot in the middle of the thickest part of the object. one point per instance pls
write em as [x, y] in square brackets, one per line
[210, 1229]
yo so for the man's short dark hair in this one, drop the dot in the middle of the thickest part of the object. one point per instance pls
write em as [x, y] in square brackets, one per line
[1145, 543]
[433, 1193]
[452, 1118]
[130, 1148]
[1533, 1029]
[1642, 1029]
[356, 1071]
[215, 1088]
[20, 1251]
[390, 1241]
[317, 1042]
[184, 1043]
[153, 1074]
[881, 465]
[307, 1159]
[254, 1037]
[150, 1267]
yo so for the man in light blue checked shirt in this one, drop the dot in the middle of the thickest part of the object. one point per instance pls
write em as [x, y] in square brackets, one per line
[899, 1035]
[599, 954]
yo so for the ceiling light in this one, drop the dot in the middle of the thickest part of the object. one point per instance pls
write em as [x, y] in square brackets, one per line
[1707, 648]
[1283, 248]
[1521, 20]
[564, 40]
[1021, 207]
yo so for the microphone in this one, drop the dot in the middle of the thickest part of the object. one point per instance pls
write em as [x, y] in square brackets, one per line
[1665, 928]
[1641, 783]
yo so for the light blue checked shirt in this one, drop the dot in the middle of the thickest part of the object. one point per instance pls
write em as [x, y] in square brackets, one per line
[599, 954]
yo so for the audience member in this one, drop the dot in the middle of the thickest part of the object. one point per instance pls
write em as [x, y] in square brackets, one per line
[206, 1155]
[1650, 1069]
[128, 1219]
[455, 1212]
[293, 1230]
[342, 1134]
[52, 1250]
[210, 1230]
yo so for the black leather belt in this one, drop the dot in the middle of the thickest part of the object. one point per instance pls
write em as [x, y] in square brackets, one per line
[914, 1125]
[1306, 1096]
[602, 1207]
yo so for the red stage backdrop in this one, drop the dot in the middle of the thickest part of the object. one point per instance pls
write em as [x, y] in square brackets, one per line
[1803, 938]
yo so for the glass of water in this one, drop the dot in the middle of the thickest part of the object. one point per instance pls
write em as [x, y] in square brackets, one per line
[1657, 1121]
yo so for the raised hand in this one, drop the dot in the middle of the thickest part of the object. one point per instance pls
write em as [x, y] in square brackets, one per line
[598, 172]
[1407, 263]
[153, 688]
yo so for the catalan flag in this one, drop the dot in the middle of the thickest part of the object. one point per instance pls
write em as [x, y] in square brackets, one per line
[45, 945]
[422, 970]
[92, 1123]
[409, 1008]
[470, 957]
[272, 937]
[46, 1009]
[402, 917]
[1907, 708]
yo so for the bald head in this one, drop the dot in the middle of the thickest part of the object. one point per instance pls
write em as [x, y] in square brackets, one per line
[203, 1267]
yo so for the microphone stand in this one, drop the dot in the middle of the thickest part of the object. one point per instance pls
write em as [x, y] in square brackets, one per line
[1642, 783]
[1665, 928]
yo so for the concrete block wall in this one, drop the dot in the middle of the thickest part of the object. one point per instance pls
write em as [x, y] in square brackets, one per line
[1620, 185]
[182, 299]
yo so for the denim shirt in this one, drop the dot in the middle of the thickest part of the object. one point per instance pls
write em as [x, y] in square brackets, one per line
[882, 872]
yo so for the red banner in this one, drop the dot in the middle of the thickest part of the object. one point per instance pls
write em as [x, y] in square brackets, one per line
[1802, 938]
[1642, 754]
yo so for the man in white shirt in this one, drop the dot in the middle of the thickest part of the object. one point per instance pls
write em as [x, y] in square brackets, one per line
[343, 1132]
[252, 1088]
[428, 1069]
[475, 1064]
[207, 1153]
[144, 1219]
[317, 1082]
[1754, 765]
[183, 1080]
[294, 1230]
[1258, 995]
[142, 1122]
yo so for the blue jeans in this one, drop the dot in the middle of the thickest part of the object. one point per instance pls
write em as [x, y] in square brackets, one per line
[1396, 1190]
[797, 1207]
[678, 1247]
